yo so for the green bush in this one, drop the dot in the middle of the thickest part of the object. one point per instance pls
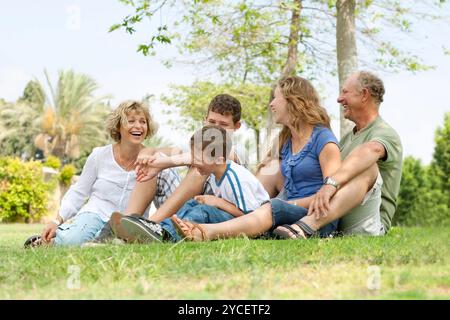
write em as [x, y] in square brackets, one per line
[79, 163]
[23, 191]
[53, 162]
[424, 198]
[421, 202]
[66, 174]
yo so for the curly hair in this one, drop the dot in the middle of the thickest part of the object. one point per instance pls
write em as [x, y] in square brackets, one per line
[303, 104]
[118, 118]
[372, 83]
[225, 104]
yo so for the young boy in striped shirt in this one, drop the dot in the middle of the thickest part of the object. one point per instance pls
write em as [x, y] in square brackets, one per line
[236, 190]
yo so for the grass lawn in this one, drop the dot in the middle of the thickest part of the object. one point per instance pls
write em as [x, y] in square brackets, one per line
[413, 263]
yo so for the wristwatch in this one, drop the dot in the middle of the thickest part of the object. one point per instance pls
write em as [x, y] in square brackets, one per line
[331, 182]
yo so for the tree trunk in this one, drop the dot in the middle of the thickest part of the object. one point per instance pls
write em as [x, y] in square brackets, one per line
[347, 58]
[257, 137]
[291, 61]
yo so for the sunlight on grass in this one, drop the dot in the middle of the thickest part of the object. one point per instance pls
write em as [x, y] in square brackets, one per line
[412, 262]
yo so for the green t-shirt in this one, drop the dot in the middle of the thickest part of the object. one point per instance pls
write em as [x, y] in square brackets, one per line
[390, 167]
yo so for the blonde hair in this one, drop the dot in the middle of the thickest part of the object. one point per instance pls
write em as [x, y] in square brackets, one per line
[118, 118]
[303, 105]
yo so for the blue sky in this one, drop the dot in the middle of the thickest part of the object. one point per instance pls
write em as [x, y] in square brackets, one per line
[47, 34]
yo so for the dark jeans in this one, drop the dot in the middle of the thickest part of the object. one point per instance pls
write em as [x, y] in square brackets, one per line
[285, 213]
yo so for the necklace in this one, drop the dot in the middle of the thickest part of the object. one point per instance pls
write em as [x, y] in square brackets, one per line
[126, 165]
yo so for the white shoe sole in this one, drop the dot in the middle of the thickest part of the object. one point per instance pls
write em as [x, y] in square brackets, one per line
[139, 231]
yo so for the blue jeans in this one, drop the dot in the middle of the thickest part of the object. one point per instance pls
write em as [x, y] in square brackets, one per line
[285, 213]
[196, 212]
[85, 227]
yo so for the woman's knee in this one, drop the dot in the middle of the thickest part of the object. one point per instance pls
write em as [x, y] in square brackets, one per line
[83, 229]
[66, 238]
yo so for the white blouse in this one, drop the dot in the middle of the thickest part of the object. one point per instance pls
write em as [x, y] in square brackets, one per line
[103, 187]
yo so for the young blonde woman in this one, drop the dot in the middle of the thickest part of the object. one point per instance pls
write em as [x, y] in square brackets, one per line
[106, 182]
[308, 152]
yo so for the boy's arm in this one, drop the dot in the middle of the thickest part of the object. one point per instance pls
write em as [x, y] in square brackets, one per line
[220, 203]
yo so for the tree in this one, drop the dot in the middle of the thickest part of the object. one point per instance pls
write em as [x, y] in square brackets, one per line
[441, 157]
[70, 122]
[419, 202]
[424, 197]
[157, 141]
[33, 94]
[346, 52]
[247, 39]
[25, 113]
[192, 102]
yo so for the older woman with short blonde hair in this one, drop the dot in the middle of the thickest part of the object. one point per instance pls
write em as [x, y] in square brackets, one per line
[106, 182]
[118, 119]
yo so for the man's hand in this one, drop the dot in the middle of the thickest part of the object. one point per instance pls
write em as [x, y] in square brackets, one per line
[207, 199]
[320, 204]
[49, 232]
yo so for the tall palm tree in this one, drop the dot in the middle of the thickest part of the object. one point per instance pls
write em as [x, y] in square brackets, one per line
[71, 119]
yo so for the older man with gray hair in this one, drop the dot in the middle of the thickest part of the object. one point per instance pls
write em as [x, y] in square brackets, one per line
[363, 191]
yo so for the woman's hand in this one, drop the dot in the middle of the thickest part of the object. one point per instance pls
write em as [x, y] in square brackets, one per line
[49, 232]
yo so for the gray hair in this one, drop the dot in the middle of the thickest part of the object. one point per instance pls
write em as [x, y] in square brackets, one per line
[372, 83]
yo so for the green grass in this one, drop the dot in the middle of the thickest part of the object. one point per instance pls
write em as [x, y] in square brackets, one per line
[413, 262]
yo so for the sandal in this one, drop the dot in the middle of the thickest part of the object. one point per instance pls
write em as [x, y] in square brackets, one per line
[188, 235]
[33, 241]
[290, 233]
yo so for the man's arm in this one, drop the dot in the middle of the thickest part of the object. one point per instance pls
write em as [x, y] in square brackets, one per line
[358, 161]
